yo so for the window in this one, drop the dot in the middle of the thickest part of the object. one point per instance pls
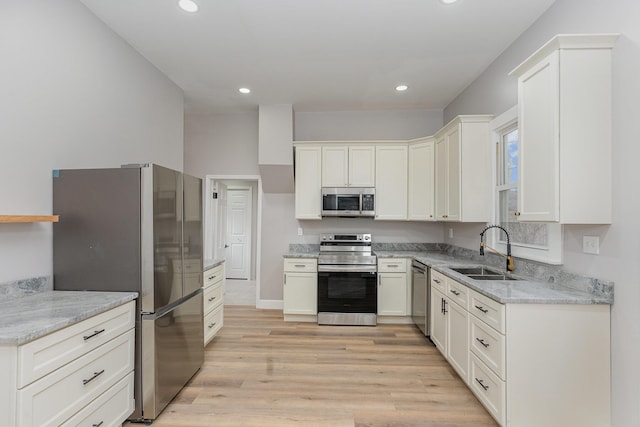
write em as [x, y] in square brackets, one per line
[536, 241]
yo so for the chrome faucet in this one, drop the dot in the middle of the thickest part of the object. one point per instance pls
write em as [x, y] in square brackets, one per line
[510, 264]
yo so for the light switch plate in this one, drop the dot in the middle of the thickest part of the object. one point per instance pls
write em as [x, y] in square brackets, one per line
[299, 231]
[451, 233]
[591, 245]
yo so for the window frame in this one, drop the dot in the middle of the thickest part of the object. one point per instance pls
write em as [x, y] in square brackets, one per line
[553, 252]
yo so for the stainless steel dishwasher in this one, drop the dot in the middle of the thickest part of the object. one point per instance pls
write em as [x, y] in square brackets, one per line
[420, 295]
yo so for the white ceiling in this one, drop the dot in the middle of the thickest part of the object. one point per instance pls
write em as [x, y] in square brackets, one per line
[320, 55]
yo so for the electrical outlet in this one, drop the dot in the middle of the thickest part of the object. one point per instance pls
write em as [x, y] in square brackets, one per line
[451, 233]
[299, 231]
[591, 245]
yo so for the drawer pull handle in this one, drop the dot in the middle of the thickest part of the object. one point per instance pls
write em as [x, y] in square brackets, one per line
[485, 344]
[393, 265]
[456, 293]
[485, 387]
[95, 375]
[300, 266]
[212, 277]
[97, 425]
[212, 298]
[212, 325]
[482, 309]
[436, 280]
[88, 337]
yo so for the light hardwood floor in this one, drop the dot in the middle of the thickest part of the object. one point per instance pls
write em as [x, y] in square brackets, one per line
[261, 371]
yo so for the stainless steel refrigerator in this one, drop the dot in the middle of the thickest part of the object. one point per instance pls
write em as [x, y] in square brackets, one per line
[138, 228]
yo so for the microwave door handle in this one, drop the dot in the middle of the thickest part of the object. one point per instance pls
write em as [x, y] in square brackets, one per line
[360, 206]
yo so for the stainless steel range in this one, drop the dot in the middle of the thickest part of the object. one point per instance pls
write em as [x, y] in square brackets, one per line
[347, 280]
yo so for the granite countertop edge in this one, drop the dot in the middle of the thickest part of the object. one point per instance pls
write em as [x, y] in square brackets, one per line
[212, 263]
[35, 315]
[523, 291]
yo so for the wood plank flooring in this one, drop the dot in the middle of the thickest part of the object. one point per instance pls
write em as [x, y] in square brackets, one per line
[261, 371]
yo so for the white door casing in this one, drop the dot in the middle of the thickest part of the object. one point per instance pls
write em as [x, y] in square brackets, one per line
[238, 256]
[220, 220]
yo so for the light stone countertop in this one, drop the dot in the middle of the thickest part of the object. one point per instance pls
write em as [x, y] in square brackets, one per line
[212, 263]
[524, 291]
[32, 316]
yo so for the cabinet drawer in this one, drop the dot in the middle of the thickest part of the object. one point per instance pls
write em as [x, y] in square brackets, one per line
[110, 409]
[489, 346]
[213, 275]
[309, 265]
[458, 293]
[489, 389]
[212, 324]
[213, 297]
[439, 281]
[489, 311]
[56, 397]
[44, 355]
[392, 265]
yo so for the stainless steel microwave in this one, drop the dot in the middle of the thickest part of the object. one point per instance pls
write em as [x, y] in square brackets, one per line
[348, 201]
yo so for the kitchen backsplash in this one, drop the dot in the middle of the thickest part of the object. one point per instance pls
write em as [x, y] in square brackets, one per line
[26, 286]
[530, 269]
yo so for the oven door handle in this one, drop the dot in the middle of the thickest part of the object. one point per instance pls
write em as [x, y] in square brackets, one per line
[346, 269]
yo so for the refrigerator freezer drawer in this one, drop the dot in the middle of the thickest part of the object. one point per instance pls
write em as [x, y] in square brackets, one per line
[172, 352]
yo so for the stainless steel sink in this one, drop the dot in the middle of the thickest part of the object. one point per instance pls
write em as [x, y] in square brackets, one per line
[483, 273]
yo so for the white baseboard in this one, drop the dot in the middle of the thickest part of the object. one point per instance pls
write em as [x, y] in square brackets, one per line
[270, 304]
[397, 320]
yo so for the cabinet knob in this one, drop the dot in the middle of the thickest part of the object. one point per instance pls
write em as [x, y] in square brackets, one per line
[516, 213]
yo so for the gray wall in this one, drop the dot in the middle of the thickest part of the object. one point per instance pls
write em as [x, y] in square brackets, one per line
[227, 144]
[366, 125]
[494, 92]
[73, 95]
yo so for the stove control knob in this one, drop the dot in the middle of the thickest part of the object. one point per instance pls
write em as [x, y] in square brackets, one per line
[324, 237]
[366, 237]
[359, 237]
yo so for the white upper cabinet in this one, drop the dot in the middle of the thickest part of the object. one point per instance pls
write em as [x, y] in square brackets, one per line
[308, 196]
[348, 166]
[421, 176]
[463, 170]
[564, 109]
[391, 182]
[362, 163]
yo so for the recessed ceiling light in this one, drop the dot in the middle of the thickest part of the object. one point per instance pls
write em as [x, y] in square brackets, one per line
[402, 88]
[448, 1]
[188, 5]
[244, 90]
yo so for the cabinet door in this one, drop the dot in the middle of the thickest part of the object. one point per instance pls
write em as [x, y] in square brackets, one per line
[438, 321]
[300, 295]
[307, 183]
[538, 111]
[362, 163]
[453, 174]
[392, 294]
[391, 182]
[335, 166]
[421, 181]
[441, 176]
[458, 339]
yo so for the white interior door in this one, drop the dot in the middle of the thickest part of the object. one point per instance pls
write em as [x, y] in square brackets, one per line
[220, 220]
[238, 256]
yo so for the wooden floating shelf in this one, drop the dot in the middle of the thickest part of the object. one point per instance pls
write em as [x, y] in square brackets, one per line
[29, 218]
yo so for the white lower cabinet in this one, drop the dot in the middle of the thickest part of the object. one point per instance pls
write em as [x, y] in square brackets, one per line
[450, 323]
[300, 289]
[529, 364]
[213, 301]
[90, 379]
[394, 290]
